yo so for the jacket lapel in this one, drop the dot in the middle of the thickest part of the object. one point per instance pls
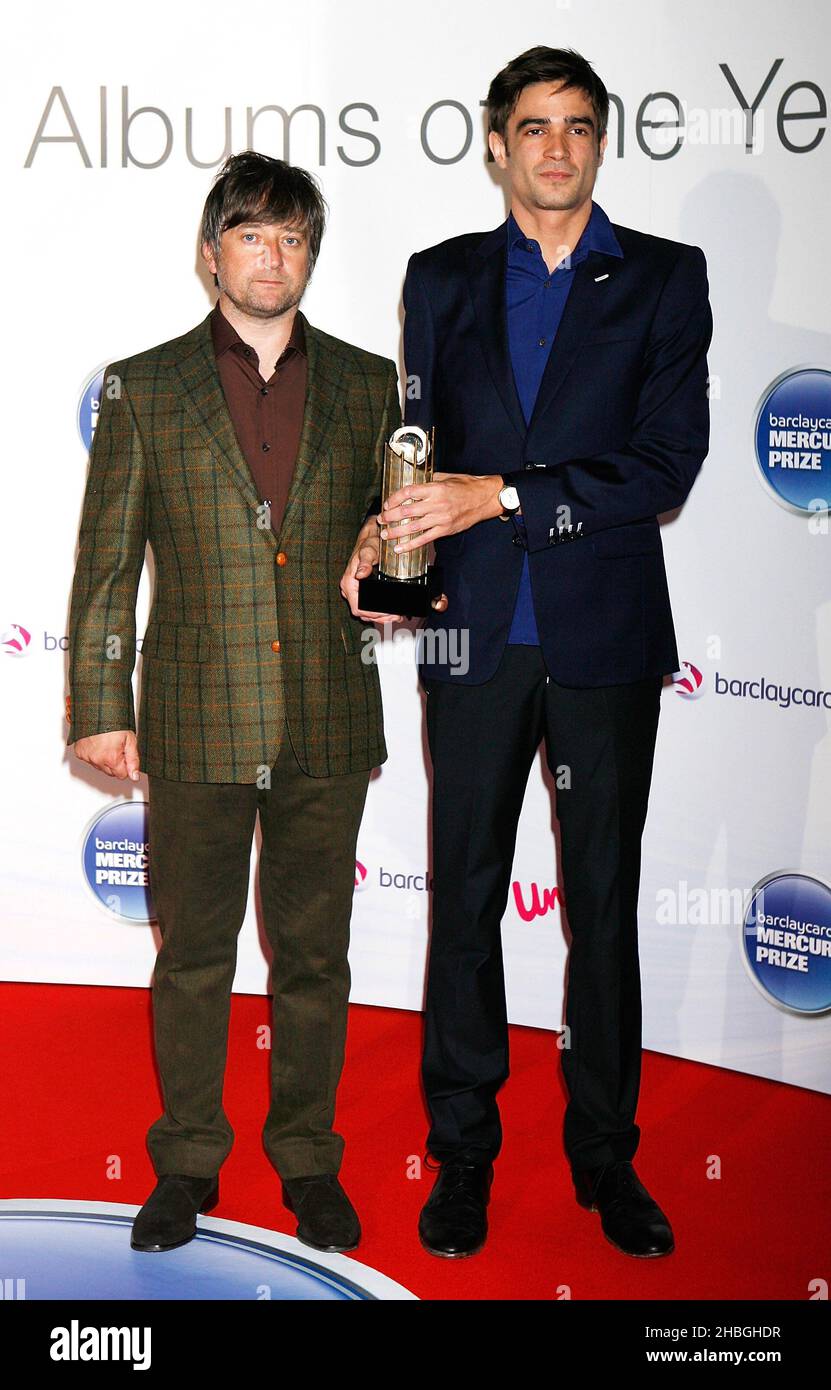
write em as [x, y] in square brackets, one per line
[486, 278]
[205, 402]
[487, 286]
[325, 390]
[586, 299]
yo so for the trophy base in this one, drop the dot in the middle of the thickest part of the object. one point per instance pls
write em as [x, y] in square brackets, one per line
[412, 598]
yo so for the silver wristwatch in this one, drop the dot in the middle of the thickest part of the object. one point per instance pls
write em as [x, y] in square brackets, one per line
[509, 501]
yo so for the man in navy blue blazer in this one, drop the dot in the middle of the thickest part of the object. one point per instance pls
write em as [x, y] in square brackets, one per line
[562, 360]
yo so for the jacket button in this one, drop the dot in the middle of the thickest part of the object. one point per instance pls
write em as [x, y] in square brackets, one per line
[275, 646]
[281, 557]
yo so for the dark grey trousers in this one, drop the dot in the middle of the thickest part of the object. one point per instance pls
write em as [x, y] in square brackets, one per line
[200, 851]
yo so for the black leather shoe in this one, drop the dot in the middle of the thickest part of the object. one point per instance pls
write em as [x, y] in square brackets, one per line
[326, 1219]
[168, 1217]
[454, 1219]
[631, 1220]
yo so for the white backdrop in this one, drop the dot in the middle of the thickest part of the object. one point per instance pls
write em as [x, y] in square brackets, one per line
[100, 258]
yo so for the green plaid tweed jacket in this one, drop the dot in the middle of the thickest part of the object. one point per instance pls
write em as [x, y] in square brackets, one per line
[165, 467]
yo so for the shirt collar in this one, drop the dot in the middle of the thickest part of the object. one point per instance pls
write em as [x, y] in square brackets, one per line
[226, 338]
[597, 235]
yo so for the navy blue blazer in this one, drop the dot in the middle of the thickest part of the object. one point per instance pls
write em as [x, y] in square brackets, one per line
[618, 434]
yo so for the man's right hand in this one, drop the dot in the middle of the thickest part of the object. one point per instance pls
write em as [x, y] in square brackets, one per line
[115, 753]
[364, 556]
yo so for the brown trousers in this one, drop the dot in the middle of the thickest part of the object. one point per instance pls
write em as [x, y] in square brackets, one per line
[200, 849]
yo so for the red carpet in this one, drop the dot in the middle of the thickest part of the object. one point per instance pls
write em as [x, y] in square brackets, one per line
[80, 1089]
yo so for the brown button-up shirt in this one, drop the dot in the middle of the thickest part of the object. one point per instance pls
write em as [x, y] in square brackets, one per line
[267, 414]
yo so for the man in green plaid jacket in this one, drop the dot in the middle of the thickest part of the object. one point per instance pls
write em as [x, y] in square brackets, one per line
[249, 453]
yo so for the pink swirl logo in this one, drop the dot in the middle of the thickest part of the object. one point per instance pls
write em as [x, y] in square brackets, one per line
[360, 875]
[688, 682]
[15, 640]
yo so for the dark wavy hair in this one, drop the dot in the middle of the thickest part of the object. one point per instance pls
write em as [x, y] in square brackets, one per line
[252, 187]
[542, 64]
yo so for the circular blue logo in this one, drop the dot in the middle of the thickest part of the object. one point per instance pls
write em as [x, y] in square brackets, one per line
[81, 1250]
[89, 405]
[786, 938]
[793, 439]
[116, 863]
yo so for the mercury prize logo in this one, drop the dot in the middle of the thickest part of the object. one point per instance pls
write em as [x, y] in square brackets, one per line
[115, 862]
[786, 941]
[793, 439]
[89, 406]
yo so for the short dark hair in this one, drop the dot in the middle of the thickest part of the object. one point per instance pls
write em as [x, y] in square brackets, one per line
[252, 187]
[542, 64]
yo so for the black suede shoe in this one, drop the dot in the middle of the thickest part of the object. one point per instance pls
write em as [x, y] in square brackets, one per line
[326, 1219]
[168, 1217]
[454, 1219]
[631, 1220]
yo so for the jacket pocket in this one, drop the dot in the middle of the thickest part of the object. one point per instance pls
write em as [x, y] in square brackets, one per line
[177, 641]
[351, 631]
[609, 335]
[644, 538]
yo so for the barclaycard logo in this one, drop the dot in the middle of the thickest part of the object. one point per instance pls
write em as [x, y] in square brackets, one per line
[16, 640]
[688, 682]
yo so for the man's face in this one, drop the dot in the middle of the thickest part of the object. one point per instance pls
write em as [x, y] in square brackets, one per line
[550, 151]
[263, 267]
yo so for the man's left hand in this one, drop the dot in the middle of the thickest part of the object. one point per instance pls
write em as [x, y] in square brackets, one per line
[451, 502]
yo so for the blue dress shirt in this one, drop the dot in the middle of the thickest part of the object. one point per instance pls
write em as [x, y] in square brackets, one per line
[535, 301]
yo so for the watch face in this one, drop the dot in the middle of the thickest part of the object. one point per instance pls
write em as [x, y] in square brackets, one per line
[509, 497]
